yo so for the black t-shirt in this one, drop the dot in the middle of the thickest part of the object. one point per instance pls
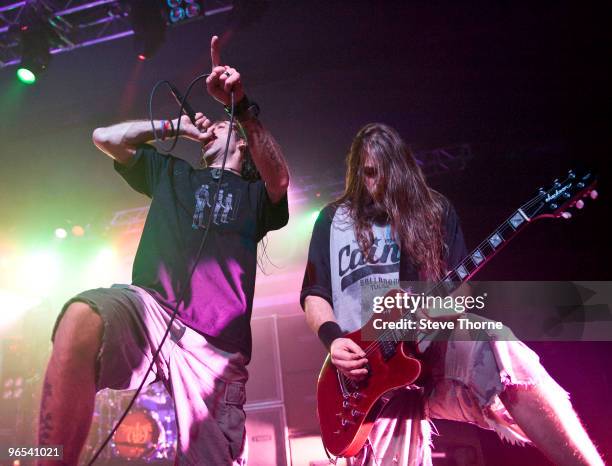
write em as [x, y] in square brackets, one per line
[218, 299]
[336, 266]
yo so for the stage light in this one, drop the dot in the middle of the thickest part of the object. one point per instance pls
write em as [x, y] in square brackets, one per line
[26, 76]
[13, 306]
[78, 230]
[314, 215]
[39, 272]
[149, 27]
[106, 256]
[102, 269]
[183, 10]
[176, 15]
[60, 233]
[193, 10]
[34, 36]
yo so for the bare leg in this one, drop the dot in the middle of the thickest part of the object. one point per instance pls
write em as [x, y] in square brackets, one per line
[552, 426]
[69, 389]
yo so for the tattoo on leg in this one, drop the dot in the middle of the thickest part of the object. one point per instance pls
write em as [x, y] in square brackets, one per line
[46, 419]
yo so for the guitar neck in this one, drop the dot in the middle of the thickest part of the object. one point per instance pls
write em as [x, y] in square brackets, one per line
[551, 202]
[481, 255]
[466, 269]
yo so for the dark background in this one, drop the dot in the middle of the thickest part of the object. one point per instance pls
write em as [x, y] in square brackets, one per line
[524, 84]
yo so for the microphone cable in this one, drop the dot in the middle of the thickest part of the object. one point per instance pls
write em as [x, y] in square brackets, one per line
[199, 252]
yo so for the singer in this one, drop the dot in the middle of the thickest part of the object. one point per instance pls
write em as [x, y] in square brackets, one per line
[107, 337]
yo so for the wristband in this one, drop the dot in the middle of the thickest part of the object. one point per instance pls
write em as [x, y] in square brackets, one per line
[163, 130]
[244, 110]
[328, 332]
[169, 127]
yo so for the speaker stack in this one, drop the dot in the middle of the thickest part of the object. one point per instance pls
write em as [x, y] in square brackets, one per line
[266, 424]
[281, 392]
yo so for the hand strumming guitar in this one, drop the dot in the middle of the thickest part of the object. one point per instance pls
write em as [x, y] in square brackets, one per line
[349, 358]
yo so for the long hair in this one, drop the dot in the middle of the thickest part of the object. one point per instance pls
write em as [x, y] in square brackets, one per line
[249, 170]
[407, 203]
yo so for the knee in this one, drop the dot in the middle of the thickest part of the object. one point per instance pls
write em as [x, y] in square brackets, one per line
[79, 334]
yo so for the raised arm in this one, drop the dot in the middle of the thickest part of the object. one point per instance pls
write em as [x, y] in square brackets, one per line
[121, 140]
[266, 152]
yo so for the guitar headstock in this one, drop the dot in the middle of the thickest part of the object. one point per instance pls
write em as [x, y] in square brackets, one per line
[559, 198]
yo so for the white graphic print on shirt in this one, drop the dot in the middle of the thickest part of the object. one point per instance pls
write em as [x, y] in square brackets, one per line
[356, 278]
[225, 207]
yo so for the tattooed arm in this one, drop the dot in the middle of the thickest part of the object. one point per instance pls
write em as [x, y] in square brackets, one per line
[266, 152]
[268, 158]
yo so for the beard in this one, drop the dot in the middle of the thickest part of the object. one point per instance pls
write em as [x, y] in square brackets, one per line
[372, 210]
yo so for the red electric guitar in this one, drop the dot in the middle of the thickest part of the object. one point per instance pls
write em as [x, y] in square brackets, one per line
[347, 409]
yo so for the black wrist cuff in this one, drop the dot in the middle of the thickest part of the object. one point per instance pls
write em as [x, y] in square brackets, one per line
[244, 110]
[328, 332]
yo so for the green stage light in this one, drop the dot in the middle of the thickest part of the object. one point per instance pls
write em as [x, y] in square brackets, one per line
[35, 34]
[26, 76]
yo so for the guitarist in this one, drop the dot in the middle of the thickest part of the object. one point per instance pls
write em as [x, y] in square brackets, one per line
[390, 226]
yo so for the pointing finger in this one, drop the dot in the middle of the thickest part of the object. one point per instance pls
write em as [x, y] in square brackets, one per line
[215, 53]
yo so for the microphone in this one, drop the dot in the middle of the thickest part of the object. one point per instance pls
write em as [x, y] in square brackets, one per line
[187, 109]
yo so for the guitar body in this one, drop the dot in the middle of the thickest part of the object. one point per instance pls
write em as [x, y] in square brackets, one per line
[347, 410]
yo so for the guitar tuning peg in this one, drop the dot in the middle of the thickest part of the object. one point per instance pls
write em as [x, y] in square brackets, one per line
[571, 174]
[566, 215]
[541, 190]
[579, 204]
[594, 194]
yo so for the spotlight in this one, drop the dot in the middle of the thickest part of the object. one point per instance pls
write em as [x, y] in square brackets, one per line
[193, 10]
[34, 35]
[34, 56]
[61, 233]
[182, 10]
[176, 15]
[149, 27]
[25, 75]
[78, 230]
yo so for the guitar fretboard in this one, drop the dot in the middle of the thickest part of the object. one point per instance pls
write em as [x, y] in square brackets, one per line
[475, 260]
[463, 271]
